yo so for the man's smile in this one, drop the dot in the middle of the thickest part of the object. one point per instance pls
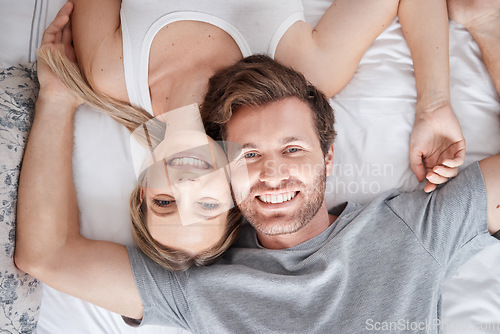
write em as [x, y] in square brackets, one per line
[275, 198]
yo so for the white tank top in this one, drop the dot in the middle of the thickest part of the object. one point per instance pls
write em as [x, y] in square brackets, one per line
[256, 26]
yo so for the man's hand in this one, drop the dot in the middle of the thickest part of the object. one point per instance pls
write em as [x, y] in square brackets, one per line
[437, 146]
[57, 36]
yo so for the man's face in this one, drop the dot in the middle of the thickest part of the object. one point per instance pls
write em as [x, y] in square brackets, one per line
[281, 152]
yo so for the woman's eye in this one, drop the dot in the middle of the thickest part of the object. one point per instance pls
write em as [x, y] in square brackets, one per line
[209, 206]
[162, 203]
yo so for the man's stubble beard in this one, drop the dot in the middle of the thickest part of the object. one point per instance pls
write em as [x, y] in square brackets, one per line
[313, 196]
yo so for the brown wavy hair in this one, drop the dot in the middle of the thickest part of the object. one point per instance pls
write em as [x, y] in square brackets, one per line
[258, 80]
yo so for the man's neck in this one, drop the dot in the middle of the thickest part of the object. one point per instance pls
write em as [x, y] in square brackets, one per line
[320, 222]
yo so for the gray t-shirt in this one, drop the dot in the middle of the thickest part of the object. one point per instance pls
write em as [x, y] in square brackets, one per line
[377, 268]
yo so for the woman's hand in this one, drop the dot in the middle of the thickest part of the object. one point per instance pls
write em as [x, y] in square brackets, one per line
[57, 36]
[437, 146]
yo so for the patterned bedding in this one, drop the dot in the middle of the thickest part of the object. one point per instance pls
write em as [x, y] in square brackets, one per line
[19, 293]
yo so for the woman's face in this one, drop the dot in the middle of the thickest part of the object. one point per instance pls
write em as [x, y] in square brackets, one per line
[187, 191]
[187, 205]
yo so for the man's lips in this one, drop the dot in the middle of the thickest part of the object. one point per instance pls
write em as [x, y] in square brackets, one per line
[277, 197]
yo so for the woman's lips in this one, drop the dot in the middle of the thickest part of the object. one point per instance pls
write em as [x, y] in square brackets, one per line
[188, 160]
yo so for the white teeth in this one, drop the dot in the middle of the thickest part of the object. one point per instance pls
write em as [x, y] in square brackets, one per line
[279, 198]
[189, 162]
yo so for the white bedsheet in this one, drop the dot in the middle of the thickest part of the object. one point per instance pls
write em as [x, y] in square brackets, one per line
[374, 119]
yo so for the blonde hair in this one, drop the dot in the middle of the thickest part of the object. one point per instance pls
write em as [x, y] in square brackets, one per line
[72, 77]
[173, 259]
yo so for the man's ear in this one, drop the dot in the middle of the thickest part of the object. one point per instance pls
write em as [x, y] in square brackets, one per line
[329, 161]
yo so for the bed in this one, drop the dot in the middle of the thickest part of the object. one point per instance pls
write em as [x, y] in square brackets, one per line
[374, 119]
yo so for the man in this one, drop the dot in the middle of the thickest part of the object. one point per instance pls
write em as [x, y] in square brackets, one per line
[296, 268]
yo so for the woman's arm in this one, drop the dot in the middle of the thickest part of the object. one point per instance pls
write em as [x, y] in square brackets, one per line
[482, 20]
[329, 54]
[437, 146]
[97, 38]
[48, 241]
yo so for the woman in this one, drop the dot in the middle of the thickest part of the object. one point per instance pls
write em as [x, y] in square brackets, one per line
[182, 210]
[141, 59]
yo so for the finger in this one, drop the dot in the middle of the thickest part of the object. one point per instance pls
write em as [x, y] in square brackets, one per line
[455, 162]
[417, 166]
[67, 40]
[459, 156]
[445, 171]
[57, 25]
[430, 187]
[435, 178]
[66, 9]
[66, 34]
[51, 33]
[58, 36]
[59, 21]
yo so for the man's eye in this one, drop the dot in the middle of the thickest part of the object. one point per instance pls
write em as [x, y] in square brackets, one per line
[292, 150]
[250, 155]
[162, 203]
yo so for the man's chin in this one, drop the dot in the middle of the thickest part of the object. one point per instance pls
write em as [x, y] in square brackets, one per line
[275, 225]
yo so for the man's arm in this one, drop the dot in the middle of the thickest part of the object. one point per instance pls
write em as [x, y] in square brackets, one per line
[482, 20]
[48, 241]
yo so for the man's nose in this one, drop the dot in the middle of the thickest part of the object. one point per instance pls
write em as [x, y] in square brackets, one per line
[273, 171]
